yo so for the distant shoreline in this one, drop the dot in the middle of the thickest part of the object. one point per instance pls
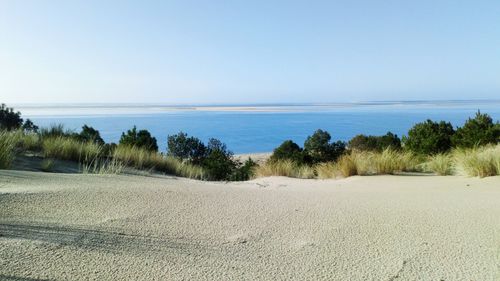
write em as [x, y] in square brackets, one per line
[127, 108]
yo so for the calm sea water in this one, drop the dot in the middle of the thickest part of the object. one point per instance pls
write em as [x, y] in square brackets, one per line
[259, 129]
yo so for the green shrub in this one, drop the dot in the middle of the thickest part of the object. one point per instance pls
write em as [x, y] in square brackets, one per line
[319, 149]
[219, 163]
[142, 139]
[244, 171]
[375, 143]
[89, 134]
[29, 127]
[429, 137]
[186, 148]
[9, 120]
[288, 150]
[477, 131]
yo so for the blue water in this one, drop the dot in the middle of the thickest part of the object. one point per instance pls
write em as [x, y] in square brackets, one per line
[248, 132]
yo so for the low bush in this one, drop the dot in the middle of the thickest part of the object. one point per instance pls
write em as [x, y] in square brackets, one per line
[375, 143]
[244, 171]
[319, 149]
[477, 131]
[141, 138]
[186, 148]
[219, 163]
[9, 119]
[29, 127]
[89, 134]
[289, 150]
[429, 138]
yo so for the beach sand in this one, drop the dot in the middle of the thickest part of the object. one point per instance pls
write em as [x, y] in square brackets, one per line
[92, 227]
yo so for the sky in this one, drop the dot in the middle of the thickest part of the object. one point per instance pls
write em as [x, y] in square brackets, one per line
[239, 52]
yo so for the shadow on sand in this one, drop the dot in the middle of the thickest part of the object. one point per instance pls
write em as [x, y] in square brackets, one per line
[100, 240]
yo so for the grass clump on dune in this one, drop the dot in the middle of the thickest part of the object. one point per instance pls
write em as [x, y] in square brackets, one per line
[478, 162]
[388, 161]
[66, 148]
[441, 164]
[103, 166]
[286, 168]
[141, 158]
[391, 161]
[326, 170]
[8, 141]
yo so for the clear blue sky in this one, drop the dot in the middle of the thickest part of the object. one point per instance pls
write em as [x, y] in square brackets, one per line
[200, 52]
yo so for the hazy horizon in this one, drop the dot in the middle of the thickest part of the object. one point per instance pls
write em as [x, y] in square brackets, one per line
[259, 52]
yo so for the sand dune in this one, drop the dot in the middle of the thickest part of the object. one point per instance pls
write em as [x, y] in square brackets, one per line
[89, 227]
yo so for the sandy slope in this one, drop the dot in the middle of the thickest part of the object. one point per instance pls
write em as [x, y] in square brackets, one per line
[88, 227]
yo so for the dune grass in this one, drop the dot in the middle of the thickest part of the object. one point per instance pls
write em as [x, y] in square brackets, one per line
[350, 164]
[143, 159]
[47, 165]
[478, 162]
[286, 168]
[66, 148]
[326, 170]
[442, 164]
[103, 166]
[8, 141]
[29, 142]
[369, 163]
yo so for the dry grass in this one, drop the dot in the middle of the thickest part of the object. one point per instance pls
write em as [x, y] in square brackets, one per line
[478, 162]
[354, 163]
[326, 170]
[441, 164]
[107, 166]
[143, 159]
[8, 141]
[30, 142]
[286, 168]
[47, 165]
[66, 148]
[375, 163]
[391, 161]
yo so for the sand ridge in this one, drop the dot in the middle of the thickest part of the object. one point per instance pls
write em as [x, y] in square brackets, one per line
[91, 227]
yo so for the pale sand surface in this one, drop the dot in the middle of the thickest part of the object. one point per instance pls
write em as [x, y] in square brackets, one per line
[259, 158]
[90, 227]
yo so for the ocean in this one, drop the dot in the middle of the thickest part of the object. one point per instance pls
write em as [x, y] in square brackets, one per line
[256, 128]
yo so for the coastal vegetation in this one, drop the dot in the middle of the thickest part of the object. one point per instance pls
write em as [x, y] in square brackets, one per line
[429, 147]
